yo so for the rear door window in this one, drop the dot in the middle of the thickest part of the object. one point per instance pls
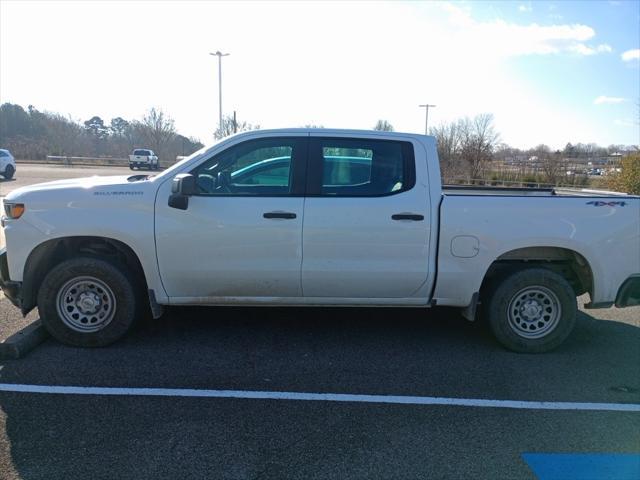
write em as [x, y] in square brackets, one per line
[360, 167]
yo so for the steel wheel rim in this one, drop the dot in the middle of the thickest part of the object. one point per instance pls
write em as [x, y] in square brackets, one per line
[534, 312]
[86, 304]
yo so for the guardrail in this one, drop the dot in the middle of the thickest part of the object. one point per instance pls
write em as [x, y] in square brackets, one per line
[507, 183]
[87, 161]
[66, 160]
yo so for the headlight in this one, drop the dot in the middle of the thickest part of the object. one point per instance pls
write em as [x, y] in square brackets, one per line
[14, 210]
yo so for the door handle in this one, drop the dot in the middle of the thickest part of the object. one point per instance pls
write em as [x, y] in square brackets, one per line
[407, 216]
[286, 215]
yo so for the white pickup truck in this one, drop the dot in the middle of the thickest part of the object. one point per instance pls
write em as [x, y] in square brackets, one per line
[142, 157]
[315, 217]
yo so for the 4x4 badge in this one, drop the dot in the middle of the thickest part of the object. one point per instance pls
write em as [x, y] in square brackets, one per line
[600, 203]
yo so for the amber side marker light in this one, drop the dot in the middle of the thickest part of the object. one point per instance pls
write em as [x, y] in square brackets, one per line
[14, 210]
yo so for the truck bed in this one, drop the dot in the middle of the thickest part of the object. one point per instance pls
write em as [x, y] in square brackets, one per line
[602, 226]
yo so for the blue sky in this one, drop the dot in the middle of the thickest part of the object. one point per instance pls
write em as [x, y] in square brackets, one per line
[550, 72]
[573, 82]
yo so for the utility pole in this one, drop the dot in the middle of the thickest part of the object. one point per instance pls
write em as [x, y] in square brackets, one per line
[219, 54]
[426, 119]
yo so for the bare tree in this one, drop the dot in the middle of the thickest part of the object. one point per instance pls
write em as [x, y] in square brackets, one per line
[479, 138]
[157, 129]
[66, 137]
[448, 142]
[383, 126]
[550, 163]
[230, 125]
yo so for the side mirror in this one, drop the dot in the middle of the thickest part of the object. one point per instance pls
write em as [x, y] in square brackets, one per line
[183, 185]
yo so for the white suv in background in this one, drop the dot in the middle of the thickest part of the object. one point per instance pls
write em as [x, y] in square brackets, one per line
[7, 164]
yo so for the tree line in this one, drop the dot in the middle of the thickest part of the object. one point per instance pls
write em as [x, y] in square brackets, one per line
[470, 150]
[33, 134]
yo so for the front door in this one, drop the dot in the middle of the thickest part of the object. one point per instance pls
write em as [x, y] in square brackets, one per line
[241, 235]
[366, 219]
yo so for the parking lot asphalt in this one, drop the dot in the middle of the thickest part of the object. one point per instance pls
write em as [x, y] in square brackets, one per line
[400, 352]
[356, 351]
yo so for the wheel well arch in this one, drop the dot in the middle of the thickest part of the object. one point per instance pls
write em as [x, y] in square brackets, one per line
[564, 261]
[52, 252]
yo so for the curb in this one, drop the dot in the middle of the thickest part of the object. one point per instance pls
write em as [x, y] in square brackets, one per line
[23, 341]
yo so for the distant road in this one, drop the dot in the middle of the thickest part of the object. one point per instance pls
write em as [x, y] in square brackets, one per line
[29, 174]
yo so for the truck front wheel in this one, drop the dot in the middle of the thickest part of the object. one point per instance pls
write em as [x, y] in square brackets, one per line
[87, 302]
[532, 310]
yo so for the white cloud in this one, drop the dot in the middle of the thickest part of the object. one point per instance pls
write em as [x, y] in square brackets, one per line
[504, 39]
[602, 99]
[631, 55]
[582, 49]
[525, 8]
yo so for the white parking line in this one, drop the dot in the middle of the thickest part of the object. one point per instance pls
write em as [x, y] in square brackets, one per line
[319, 397]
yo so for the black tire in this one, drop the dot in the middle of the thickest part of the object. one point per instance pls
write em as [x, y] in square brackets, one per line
[123, 293]
[8, 172]
[131, 167]
[532, 310]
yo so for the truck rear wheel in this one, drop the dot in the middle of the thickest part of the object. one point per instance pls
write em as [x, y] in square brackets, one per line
[87, 302]
[532, 310]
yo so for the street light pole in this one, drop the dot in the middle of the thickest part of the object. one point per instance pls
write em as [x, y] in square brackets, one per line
[219, 54]
[426, 119]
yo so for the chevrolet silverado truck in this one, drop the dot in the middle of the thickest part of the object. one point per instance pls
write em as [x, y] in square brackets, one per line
[142, 157]
[314, 217]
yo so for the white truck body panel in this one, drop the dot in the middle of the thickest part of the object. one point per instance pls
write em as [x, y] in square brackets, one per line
[251, 256]
[127, 216]
[350, 252]
[337, 251]
[608, 237]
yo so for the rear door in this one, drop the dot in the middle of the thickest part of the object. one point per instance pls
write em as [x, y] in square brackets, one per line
[366, 219]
